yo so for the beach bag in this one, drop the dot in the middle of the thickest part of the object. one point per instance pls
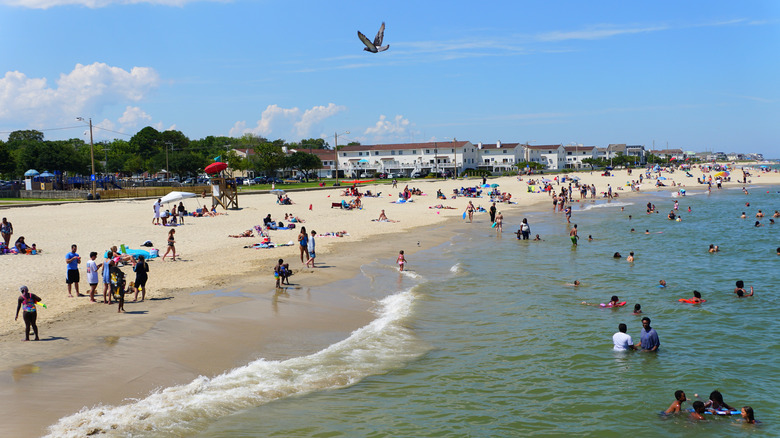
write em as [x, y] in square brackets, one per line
[147, 244]
[291, 226]
[154, 252]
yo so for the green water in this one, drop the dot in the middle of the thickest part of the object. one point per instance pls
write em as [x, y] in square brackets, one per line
[513, 352]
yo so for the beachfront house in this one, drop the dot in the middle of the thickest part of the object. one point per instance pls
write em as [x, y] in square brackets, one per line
[406, 159]
[499, 157]
[576, 153]
[552, 156]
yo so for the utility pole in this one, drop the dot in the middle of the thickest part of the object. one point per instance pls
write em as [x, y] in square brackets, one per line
[91, 155]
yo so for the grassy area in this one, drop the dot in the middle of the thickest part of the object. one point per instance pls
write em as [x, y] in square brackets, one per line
[33, 200]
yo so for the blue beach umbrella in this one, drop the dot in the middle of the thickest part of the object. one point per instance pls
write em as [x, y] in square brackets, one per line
[32, 172]
[46, 175]
[661, 177]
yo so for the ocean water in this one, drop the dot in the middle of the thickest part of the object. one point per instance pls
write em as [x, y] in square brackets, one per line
[484, 337]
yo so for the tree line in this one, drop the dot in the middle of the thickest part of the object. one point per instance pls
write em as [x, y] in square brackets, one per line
[150, 151]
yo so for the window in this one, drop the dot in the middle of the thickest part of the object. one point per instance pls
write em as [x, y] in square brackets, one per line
[505, 151]
[376, 152]
[392, 152]
[427, 151]
[414, 152]
[400, 152]
[360, 154]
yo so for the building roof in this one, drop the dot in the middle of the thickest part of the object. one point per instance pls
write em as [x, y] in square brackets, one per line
[404, 146]
[578, 148]
[543, 146]
[503, 145]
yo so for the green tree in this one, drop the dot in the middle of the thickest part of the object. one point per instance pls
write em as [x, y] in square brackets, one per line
[268, 159]
[7, 162]
[303, 162]
[23, 136]
[147, 143]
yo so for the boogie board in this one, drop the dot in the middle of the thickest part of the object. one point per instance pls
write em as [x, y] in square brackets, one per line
[689, 301]
[620, 304]
[464, 215]
[494, 225]
[720, 412]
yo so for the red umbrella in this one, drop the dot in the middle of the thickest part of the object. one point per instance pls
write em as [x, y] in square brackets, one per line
[216, 167]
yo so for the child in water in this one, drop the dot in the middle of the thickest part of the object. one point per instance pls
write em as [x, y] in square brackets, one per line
[747, 415]
[740, 290]
[676, 405]
[637, 309]
[401, 261]
[698, 411]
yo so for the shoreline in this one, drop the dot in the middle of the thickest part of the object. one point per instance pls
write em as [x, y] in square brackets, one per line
[343, 260]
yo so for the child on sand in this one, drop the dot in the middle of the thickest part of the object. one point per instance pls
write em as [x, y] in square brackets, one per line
[310, 246]
[92, 275]
[401, 261]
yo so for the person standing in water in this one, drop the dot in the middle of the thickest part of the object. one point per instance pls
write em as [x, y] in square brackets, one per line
[401, 261]
[573, 235]
[27, 301]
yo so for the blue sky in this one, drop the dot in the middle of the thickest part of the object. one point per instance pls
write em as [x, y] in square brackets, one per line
[696, 75]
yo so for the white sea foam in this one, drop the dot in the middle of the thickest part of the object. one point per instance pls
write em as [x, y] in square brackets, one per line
[456, 268]
[382, 345]
[411, 274]
[607, 205]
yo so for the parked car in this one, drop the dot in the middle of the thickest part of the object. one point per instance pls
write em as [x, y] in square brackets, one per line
[261, 180]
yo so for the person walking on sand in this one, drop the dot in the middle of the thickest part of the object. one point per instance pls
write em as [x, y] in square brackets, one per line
[573, 235]
[401, 261]
[157, 206]
[7, 230]
[141, 277]
[310, 247]
[27, 301]
[72, 259]
[470, 210]
[303, 244]
[171, 245]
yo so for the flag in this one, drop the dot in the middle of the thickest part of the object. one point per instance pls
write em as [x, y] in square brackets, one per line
[218, 158]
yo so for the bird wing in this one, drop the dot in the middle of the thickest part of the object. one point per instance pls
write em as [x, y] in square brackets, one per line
[371, 47]
[380, 35]
[382, 48]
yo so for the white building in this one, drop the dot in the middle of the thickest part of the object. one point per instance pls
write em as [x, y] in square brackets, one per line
[575, 154]
[499, 157]
[404, 159]
[552, 156]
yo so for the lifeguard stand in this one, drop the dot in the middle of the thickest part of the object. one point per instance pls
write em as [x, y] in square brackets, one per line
[224, 192]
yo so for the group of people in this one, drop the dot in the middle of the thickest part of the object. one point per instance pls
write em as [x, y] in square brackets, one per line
[167, 217]
[649, 341]
[715, 405]
[19, 247]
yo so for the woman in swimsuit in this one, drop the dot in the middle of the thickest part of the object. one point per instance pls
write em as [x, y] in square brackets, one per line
[171, 245]
[303, 243]
[6, 229]
[27, 301]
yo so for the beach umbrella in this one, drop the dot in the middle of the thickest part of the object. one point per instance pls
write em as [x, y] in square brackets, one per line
[277, 192]
[576, 178]
[661, 177]
[722, 174]
[363, 161]
[46, 175]
[494, 185]
[546, 180]
[32, 172]
[176, 197]
[216, 167]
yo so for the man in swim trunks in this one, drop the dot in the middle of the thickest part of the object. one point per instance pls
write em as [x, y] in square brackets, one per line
[648, 337]
[621, 340]
[493, 213]
[573, 235]
[72, 259]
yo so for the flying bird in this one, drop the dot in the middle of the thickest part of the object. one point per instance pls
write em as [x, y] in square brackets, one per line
[376, 46]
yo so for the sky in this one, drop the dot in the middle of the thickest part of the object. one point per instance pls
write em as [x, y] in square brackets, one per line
[694, 75]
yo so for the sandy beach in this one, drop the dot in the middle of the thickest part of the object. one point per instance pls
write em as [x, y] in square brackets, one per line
[209, 260]
[212, 261]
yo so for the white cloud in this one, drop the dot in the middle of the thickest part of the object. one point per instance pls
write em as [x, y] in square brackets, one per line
[316, 115]
[288, 123]
[596, 33]
[85, 90]
[133, 115]
[398, 127]
[45, 4]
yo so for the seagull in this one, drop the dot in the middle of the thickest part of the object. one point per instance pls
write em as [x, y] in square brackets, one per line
[376, 46]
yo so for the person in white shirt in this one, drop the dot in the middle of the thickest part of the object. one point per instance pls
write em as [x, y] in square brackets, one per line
[622, 340]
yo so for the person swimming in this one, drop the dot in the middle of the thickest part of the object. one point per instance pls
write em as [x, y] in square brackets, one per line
[616, 255]
[747, 415]
[661, 283]
[716, 402]
[698, 411]
[676, 406]
[637, 309]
